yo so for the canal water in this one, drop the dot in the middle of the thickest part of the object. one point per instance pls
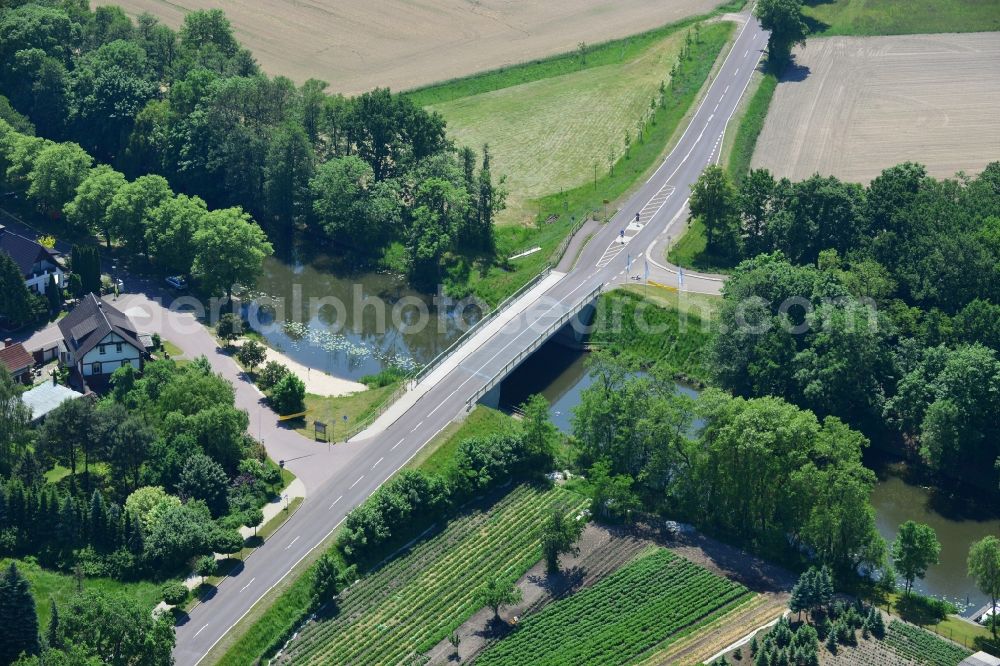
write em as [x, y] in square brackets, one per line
[351, 326]
[560, 374]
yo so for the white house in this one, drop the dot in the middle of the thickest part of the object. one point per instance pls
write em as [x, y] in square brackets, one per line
[98, 339]
[37, 262]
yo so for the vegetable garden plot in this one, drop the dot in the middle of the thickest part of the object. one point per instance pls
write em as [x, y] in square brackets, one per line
[410, 605]
[647, 604]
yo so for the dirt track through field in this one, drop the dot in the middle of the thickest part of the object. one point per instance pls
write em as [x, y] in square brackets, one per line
[357, 45]
[866, 103]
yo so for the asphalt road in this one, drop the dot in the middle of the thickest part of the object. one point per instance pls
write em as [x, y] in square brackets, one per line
[342, 479]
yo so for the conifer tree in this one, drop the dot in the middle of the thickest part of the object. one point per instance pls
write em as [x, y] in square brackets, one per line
[18, 621]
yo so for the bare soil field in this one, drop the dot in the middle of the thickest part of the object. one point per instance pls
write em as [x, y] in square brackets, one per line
[856, 105]
[357, 45]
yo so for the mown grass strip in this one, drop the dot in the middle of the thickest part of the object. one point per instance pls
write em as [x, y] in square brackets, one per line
[879, 17]
[750, 127]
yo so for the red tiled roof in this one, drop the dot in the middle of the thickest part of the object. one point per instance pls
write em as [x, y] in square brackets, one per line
[16, 358]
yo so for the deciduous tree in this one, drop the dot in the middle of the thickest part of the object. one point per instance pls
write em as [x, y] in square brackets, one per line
[915, 549]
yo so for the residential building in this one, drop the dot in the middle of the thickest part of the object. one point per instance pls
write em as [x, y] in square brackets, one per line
[37, 262]
[98, 339]
[18, 361]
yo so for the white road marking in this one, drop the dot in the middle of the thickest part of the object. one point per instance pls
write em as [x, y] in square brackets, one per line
[736, 72]
[335, 527]
[726, 90]
[377, 462]
[357, 482]
[248, 584]
[417, 426]
[747, 53]
[441, 404]
[397, 444]
[291, 544]
[199, 631]
[335, 501]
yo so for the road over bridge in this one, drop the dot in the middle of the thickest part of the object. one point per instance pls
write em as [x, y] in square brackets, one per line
[342, 479]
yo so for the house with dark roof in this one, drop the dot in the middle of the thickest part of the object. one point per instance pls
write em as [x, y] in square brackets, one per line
[18, 362]
[98, 339]
[37, 262]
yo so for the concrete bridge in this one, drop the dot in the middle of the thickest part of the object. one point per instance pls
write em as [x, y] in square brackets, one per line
[471, 371]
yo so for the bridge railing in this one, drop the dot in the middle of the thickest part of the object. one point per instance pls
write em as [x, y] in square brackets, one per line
[414, 379]
[535, 344]
[479, 325]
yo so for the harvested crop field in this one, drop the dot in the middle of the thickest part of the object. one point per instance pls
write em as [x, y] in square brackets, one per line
[357, 45]
[857, 105]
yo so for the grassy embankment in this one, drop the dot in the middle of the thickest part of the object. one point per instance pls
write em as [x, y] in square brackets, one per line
[547, 89]
[885, 17]
[690, 250]
[665, 330]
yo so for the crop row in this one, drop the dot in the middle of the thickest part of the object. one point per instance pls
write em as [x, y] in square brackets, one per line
[638, 607]
[411, 604]
[922, 646]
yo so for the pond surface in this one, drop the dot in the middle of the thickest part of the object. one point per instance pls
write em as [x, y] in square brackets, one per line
[352, 326]
[560, 374]
[896, 502]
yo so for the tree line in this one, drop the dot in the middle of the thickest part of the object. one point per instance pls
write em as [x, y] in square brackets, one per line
[876, 305]
[193, 109]
[759, 472]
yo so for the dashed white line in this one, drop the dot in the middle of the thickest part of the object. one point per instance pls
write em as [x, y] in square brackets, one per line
[199, 631]
[736, 72]
[377, 462]
[335, 501]
[292, 543]
[726, 90]
[248, 584]
[417, 426]
[397, 444]
[747, 53]
[357, 482]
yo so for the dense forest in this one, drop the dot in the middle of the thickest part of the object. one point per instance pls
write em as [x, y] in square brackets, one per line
[878, 305]
[372, 176]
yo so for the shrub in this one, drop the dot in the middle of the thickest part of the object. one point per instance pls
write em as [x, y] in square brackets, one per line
[272, 373]
[288, 396]
[174, 593]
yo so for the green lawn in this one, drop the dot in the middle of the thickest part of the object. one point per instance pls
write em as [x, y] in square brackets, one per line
[47, 585]
[900, 17]
[690, 251]
[438, 455]
[751, 122]
[331, 411]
